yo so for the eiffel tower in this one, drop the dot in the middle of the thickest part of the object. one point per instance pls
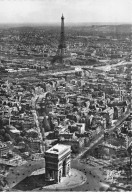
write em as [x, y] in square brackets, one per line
[62, 45]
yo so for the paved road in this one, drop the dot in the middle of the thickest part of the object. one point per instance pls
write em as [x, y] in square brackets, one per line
[102, 136]
[108, 67]
[94, 178]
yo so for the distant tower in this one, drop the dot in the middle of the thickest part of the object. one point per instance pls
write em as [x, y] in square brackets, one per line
[62, 45]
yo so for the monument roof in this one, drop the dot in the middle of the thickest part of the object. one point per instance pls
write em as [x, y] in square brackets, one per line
[58, 149]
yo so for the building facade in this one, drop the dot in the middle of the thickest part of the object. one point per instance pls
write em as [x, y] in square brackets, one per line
[57, 162]
[4, 149]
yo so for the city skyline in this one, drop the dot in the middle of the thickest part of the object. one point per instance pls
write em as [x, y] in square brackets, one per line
[75, 11]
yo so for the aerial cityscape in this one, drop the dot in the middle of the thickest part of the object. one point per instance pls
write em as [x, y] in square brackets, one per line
[65, 105]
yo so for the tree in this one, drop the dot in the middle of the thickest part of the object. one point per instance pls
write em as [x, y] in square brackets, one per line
[23, 133]
[25, 139]
[7, 137]
[18, 139]
[46, 124]
[35, 135]
[1, 122]
[2, 132]
[1, 138]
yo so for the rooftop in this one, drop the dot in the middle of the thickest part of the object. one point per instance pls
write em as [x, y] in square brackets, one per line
[58, 149]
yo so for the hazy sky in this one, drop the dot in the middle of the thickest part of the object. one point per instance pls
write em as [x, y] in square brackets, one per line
[41, 11]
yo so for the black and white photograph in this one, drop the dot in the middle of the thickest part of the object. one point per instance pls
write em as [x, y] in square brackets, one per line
[65, 96]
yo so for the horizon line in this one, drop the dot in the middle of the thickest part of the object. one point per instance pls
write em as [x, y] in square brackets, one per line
[66, 23]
